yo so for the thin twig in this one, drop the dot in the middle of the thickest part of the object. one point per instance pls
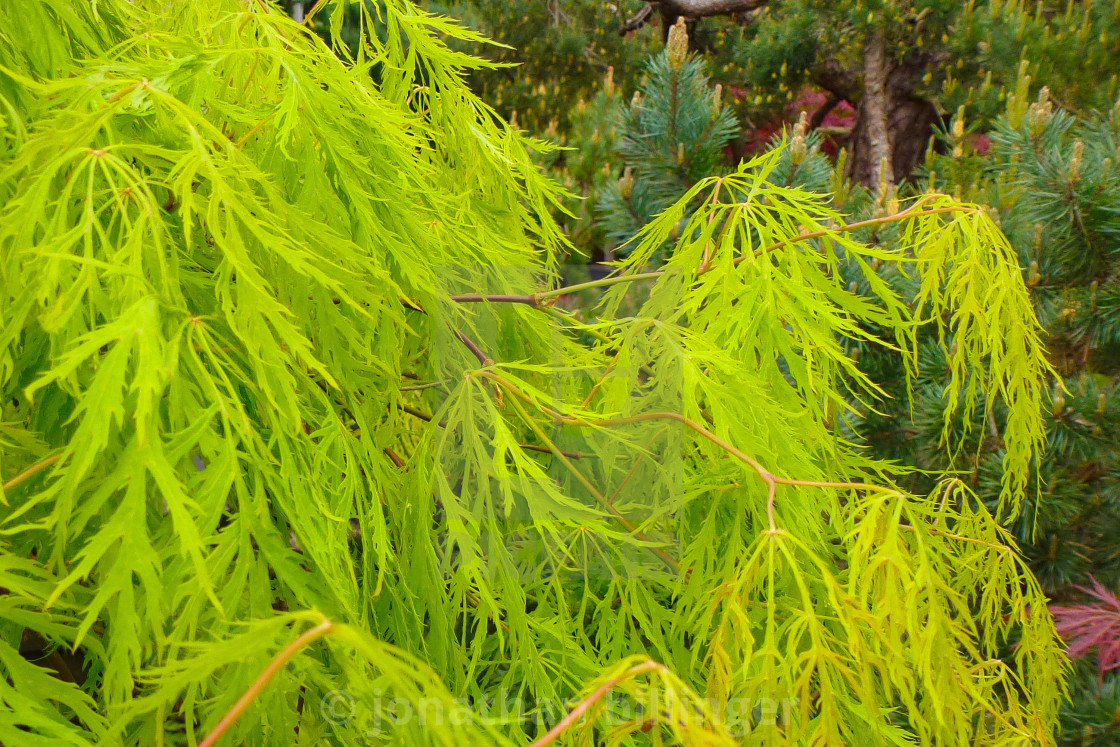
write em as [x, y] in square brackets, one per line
[530, 300]
[311, 13]
[546, 450]
[39, 466]
[769, 477]
[601, 283]
[477, 603]
[907, 213]
[961, 537]
[418, 387]
[393, 456]
[634, 468]
[537, 299]
[414, 412]
[602, 379]
[585, 705]
[708, 246]
[483, 358]
[254, 130]
[602, 499]
[263, 679]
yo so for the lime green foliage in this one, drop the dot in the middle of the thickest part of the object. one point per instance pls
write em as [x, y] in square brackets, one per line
[1053, 180]
[250, 380]
[1056, 191]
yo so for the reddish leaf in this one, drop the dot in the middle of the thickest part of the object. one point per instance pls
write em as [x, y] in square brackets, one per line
[1088, 626]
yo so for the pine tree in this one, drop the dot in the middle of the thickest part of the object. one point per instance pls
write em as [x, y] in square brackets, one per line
[673, 135]
[297, 446]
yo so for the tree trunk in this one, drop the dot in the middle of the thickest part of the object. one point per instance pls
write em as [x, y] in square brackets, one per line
[892, 114]
[873, 109]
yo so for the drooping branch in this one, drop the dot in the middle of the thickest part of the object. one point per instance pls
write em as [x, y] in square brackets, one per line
[771, 479]
[483, 358]
[563, 458]
[32, 470]
[586, 704]
[916, 210]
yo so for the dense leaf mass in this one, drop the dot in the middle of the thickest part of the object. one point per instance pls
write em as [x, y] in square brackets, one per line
[280, 362]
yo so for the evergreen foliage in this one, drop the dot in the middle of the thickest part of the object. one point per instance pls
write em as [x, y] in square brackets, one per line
[969, 52]
[280, 363]
[673, 135]
[553, 54]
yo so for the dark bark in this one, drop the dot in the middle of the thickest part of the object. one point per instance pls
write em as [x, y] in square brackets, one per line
[874, 112]
[670, 10]
[704, 8]
[636, 21]
[837, 80]
[825, 109]
[909, 122]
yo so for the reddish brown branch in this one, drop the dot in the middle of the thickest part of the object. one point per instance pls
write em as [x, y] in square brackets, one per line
[263, 679]
[546, 450]
[530, 300]
[414, 412]
[585, 705]
[32, 470]
[483, 358]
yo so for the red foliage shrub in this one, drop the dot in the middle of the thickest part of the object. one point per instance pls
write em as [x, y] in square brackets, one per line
[1088, 626]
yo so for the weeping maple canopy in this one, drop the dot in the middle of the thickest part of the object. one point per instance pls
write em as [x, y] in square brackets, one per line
[284, 381]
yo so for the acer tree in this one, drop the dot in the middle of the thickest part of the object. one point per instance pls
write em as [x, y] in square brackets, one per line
[297, 445]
